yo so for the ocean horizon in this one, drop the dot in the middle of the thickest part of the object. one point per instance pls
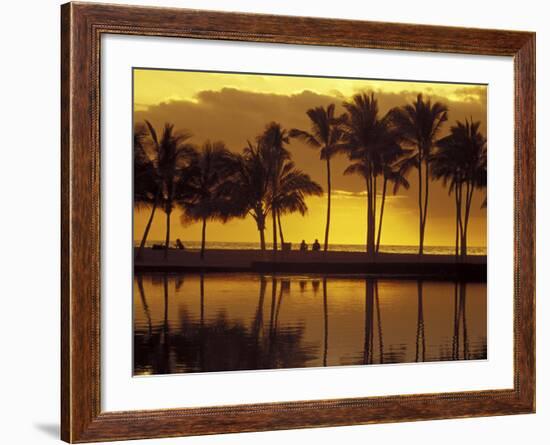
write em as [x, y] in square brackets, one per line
[237, 245]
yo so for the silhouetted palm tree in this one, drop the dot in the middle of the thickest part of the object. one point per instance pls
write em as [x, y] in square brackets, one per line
[266, 181]
[272, 143]
[325, 135]
[392, 173]
[419, 124]
[366, 137]
[146, 184]
[293, 186]
[205, 196]
[461, 161]
[249, 187]
[171, 154]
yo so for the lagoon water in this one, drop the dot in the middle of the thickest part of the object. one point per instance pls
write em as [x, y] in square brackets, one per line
[229, 322]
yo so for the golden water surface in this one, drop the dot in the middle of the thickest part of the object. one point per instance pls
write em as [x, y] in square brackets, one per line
[229, 322]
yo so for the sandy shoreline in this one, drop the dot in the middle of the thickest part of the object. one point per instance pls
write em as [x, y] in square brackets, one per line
[218, 260]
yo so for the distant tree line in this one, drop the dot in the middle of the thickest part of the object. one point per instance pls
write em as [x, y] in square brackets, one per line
[212, 183]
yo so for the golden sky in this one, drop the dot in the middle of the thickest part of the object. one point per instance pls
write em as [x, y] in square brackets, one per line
[235, 108]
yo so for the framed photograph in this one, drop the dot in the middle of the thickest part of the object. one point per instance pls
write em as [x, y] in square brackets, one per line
[284, 222]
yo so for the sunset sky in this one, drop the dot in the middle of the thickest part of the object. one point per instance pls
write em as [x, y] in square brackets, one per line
[235, 108]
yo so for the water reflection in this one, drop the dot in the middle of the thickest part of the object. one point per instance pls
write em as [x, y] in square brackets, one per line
[217, 322]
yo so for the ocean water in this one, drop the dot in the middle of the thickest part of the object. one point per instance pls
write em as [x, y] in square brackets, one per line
[435, 250]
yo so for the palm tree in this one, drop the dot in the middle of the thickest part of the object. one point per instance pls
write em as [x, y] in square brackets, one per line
[293, 186]
[461, 161]
[251, 192]
[266, 181]
[249, 187]
[419, 124]
[146, 186]
[393, 174]
[366, 136]
[325, 136]
[272, 144]
[172, 154]
[204, 197]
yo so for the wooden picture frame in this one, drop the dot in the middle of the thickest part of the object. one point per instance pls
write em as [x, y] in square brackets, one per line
[82, 26]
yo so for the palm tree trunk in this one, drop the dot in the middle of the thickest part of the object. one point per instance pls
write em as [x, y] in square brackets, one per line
[381, 214]
[457, 207]
[203, 239]
[147, 228]
[274, 211]
[374, 198]
[280, 229]
[329, 191]
[167, 241]
[426, 194]
[262, 239]
[370, 216]
[463, 236]
[460, 220]
[420, 210]
[274, 215]
[260, 223]
[469, 195]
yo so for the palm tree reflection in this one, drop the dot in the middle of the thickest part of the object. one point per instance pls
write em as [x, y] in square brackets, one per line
[420, 334]
[372, 312]
[325, 312]
[379, 323]
[165, 342]
[460, 326]
[369, 305]
[146, 310]
[194, 340]
[219, 343]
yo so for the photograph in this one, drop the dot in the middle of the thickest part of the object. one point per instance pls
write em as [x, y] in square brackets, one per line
[291, 221]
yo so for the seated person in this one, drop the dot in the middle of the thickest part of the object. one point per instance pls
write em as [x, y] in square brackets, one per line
[179, 244]
[316, 246]
[303, 246]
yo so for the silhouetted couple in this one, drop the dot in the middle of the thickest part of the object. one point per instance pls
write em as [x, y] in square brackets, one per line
[315, 247]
